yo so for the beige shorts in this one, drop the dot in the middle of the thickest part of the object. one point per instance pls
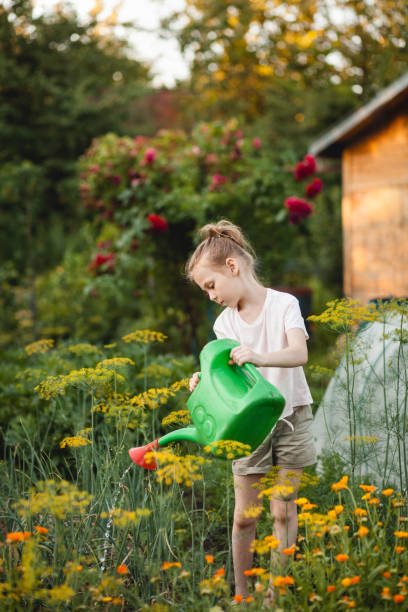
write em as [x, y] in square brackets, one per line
[282, 447]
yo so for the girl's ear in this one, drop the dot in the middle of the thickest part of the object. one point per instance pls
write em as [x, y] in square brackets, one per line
[232, 265]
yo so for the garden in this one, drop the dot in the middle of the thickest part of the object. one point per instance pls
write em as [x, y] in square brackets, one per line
[101, 200]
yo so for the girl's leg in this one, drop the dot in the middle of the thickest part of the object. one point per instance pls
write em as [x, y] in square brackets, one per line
[243, 530]
[284, 509]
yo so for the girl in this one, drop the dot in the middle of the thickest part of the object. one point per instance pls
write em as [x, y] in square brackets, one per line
[272, 335]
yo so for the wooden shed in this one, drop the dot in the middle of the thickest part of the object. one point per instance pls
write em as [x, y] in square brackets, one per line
[373, 146]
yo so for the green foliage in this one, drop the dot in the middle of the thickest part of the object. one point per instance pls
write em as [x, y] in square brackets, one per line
[64, 84]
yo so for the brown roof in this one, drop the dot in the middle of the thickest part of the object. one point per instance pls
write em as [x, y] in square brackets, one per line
[332, 142]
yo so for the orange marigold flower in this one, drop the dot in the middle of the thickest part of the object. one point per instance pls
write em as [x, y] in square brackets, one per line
[346, 527]
[362, 531]
[386, 574]
[342, 557]
[289, 551]
[249, 599]
[360, 512]
[238, 598]
[401, 534]
[387, 492]
[386, 593]
[346, 582]
[40, 529]
[166, 565]
[122, 569]
[330, 588]
[399, 549]
[219, 572]
[17, 536]
[374, 501]
[117, 601]
[368, 488]
[338, 509]
[209, 559]
[341, 484]
[366, 496]
[355, 579]
[399, 598]
[255, 571]
[380, 523]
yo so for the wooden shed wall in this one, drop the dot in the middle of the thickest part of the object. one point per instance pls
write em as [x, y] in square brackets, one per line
[375, 212]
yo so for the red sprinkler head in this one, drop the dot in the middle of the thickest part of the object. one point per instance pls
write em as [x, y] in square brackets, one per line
[138, 453]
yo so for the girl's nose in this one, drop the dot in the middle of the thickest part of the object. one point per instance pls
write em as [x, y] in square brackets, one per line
[212, 296]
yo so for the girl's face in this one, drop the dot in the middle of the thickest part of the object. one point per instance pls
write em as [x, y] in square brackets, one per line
[221, 283]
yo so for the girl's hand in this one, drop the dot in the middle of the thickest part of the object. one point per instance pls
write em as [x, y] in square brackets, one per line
[243, 354]
[194, 380]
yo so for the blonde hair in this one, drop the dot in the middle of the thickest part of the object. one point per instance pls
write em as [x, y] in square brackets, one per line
[220, 241]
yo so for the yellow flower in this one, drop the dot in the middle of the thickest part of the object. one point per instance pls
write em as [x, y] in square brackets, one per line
[228, 448]
[341, 484]
[126, 518]
[144, 335]
[74, 441]
[346, 582]
[401, 534]
[253, 511]
[178, 417]
[173, 468]
[263, 546]
[56, 498]
[301, 501]
[40, 346]
[60, 593]
[82, 349]
[115, 362]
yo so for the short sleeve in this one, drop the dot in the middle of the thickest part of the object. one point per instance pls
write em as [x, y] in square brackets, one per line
[223, 327]
[293, 317]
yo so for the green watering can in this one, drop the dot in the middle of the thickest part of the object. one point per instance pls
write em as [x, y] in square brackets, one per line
[230, 402]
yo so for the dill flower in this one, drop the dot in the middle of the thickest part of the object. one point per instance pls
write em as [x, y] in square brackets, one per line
[122, 569]
[83, 349]
[126, 518]
[341, 484]
[178, 417]
[153, 397]
[91, 379]
[173, 468]
[40, 346]
[74, 441]
[229, 449]
[344, 314]
[263, 546]
[145, 336]
[115, 362]
[60, 593]
[56, 498]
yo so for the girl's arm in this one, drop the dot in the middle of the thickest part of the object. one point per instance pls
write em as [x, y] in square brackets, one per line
[295, 354]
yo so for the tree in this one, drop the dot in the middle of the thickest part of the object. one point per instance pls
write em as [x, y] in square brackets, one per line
[62, 83]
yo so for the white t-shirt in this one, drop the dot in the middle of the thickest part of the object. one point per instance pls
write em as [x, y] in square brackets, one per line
[266, 334]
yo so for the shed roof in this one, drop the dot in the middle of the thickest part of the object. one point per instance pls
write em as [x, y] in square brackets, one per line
[332, 142]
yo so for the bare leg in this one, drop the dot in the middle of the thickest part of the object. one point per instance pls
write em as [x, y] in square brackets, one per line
[243, 530]
[284, 511]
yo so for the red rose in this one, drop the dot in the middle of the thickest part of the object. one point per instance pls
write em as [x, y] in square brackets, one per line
[298, 209]
[150, 156]
[103, 258]
[314, 188]
[305, 168]
[158, 224]
[216, 181]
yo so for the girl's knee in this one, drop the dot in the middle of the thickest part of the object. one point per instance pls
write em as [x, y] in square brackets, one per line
[283, 512]
[242, 522]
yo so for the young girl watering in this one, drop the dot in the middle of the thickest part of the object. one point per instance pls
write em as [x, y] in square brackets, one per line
[272, 336]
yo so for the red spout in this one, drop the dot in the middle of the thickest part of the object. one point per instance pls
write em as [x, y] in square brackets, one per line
[138, 455]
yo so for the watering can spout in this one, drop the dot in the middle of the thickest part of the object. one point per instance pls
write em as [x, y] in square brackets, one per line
[185, 433]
